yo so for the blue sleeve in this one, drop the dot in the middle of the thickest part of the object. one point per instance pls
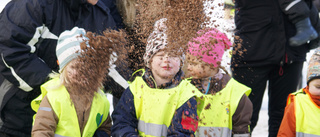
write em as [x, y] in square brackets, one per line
[124, 118]
[185, 121]
[19, 63]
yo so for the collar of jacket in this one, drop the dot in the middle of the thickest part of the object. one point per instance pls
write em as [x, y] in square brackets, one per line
[103, 7]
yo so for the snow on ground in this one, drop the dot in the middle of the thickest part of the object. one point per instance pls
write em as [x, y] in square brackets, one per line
[261, 130]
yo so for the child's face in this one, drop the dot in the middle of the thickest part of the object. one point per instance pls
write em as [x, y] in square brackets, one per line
[165, 65]
[314, 87]
[71, 71]
[199, 69]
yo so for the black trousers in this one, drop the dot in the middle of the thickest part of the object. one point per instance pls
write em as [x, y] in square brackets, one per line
[282, 81]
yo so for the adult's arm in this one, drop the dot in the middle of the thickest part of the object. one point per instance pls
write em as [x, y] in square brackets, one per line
[22, 25]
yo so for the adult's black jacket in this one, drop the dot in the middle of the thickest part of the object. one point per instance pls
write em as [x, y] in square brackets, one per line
[28, 38]
[263, 30]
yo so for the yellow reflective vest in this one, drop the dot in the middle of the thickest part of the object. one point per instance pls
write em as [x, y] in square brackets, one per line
[155, 107]
[68, 125]
[307, 115]
[216, 111]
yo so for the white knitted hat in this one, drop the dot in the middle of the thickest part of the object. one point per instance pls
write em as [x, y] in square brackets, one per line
[68, 47]
[156, 41]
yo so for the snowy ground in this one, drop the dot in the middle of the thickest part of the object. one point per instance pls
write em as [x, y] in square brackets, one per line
[261, 130]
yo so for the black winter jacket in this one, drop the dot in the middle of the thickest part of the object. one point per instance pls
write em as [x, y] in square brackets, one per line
[262, 33]
[28, 38]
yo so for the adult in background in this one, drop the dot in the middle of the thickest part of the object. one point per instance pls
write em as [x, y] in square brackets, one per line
[262, 53]
[28, 39]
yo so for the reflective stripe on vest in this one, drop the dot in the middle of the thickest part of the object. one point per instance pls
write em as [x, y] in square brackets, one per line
[56, 135]
[152, 129]
[155, 107]
[217, 131]
[299, 134]
[68, 124]
[306, 125]
[217, 110]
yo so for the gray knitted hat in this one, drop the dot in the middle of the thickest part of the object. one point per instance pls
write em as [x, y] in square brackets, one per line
[68, 47]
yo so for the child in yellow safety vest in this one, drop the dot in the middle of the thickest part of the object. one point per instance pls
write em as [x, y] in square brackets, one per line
[224, 105]
[301, 116]
[155, 103]
[72, 102]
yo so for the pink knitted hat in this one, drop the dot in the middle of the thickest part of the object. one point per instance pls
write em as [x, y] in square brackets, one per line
[209, 46]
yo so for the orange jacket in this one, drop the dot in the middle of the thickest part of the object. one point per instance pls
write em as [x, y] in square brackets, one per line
[288, 124]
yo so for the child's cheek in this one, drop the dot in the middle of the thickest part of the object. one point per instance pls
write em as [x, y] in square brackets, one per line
[315, 92]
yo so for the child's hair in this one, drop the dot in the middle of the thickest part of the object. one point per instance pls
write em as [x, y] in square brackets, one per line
[209, 46]
[147, 12]
[127, 9]
[314, 66]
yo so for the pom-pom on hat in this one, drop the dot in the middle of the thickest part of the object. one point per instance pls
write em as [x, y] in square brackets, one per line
[156, 41]
[209, 46]
[68, 46]
[314, 66]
